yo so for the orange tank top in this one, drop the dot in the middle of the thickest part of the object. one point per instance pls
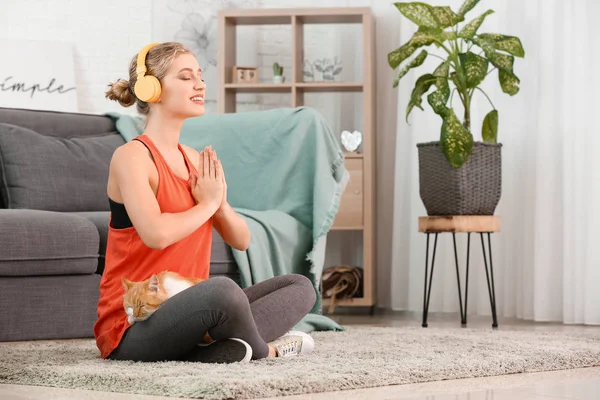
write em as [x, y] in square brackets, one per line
[128, 256]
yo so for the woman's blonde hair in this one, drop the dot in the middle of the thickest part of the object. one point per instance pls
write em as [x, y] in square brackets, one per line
[158, 61]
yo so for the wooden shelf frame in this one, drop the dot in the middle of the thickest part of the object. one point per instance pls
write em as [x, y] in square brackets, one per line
[282, 16]
[298, 18]
[301, 87]
[305, 87]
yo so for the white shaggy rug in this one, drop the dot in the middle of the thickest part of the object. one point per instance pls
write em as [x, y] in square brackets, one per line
[358, 358]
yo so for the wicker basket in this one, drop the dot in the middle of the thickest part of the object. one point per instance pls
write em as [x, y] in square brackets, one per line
[472, 189]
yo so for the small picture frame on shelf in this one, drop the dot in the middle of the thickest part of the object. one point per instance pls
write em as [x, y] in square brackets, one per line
[244, 74]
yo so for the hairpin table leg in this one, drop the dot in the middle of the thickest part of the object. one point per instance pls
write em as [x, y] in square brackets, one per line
[463, 313]
[491, 288]
[426, 290]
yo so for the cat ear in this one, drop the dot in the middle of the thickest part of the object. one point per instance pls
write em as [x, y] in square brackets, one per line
[126, 283]
[153, 284]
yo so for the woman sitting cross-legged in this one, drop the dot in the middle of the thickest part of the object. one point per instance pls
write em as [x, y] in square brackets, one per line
[165, 198]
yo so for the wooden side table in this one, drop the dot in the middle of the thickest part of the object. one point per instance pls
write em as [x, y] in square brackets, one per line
[484, 225]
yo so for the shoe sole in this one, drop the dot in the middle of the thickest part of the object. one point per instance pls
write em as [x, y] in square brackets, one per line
[225, 351]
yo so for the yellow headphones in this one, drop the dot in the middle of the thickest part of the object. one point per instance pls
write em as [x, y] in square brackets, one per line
[147, 87]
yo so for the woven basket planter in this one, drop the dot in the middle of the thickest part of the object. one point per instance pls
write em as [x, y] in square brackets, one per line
[472, 189]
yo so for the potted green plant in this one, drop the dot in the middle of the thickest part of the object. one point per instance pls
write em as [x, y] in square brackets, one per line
[278, 73]
[457, 175]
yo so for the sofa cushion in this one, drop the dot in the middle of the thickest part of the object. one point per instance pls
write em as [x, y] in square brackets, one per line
[221, 258]
[58, 123]
[100, 220]
[35, 242]
[53, 173]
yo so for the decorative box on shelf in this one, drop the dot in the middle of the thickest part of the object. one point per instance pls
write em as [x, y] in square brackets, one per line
[241, 74]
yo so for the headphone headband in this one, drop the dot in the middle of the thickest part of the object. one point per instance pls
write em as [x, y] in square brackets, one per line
[141, 60]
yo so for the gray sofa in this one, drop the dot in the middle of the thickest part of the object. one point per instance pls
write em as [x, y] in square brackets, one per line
[54, 217]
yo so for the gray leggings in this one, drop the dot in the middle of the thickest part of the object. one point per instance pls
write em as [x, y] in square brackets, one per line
[257, 314]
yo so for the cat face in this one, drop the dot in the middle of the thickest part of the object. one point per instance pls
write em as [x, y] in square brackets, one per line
[142, 299]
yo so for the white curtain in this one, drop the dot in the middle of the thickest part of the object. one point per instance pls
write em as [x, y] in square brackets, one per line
[547, 255]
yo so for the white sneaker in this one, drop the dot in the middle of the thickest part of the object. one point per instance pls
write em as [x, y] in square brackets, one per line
[308, 343]
[293, 343]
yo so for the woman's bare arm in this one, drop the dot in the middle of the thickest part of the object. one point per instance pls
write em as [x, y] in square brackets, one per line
[232, 228]
[131, 168]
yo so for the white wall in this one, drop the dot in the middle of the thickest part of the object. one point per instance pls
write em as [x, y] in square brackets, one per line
[106, 34]
[102, 53]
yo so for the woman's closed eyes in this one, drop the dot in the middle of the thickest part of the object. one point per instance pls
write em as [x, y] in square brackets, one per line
[187, 79]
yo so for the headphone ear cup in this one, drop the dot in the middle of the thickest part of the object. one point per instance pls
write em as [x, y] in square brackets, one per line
[147, 89]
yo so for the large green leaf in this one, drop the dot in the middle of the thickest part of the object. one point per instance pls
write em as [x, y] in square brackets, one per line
[446, 17]
[475, 67]
[486, 45]
[417, 61]
[510, 44]
[438, 99]
[425, 36]
[442, 69]
[469, 30]
[422, 37]
[509, 82]
[456, 140]
[422, 85]
[396, 57]
[501, 61]
[489, 129]
[420, 13]
[467, 6]
[427, 16]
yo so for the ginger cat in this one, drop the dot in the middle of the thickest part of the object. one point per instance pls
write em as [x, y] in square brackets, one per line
[143, 298]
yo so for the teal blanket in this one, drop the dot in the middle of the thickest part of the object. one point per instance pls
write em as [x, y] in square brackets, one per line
[285, 174]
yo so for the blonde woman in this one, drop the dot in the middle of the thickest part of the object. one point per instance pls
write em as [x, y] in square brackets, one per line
[165, 198]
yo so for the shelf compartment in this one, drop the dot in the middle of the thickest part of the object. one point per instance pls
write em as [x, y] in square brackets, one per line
[342, 110]
[330, 18]
[241, 101]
